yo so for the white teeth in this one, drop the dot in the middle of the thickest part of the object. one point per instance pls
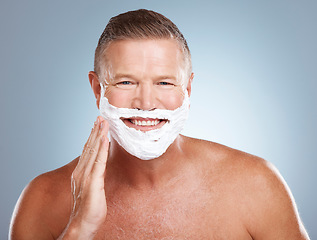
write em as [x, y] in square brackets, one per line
[145, 123]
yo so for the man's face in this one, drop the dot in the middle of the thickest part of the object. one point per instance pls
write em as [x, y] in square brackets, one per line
[144, 74]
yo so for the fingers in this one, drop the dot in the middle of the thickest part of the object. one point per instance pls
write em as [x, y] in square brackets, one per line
[89, 154]
[99, 166]
[83, 157]
[89, 146]
[95, 150]
[87, 180]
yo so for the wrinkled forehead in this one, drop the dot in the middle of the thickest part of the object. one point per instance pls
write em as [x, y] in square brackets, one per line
[141, 57]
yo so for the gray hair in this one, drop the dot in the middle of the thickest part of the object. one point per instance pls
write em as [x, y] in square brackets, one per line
[141, 24]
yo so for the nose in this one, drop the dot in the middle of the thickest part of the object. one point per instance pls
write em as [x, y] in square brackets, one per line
[145, 97]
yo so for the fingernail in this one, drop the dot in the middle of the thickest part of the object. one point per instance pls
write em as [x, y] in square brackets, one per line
[101, 125]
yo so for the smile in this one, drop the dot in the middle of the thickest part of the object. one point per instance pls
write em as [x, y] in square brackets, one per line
[144, 124]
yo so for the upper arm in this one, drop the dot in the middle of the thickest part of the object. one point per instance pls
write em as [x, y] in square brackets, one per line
[274, 212]
[28, 220]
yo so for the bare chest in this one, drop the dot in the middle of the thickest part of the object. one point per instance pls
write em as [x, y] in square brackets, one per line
[193, 215]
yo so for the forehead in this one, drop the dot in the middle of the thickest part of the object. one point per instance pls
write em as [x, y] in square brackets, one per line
[144, 56]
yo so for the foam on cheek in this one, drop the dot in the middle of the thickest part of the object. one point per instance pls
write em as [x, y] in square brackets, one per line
[144, 145]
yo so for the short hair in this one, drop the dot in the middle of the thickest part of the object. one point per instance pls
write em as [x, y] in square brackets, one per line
[141, 24]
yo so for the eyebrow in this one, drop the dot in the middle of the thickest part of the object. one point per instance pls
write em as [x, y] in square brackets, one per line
[162, 77]
[122, 75]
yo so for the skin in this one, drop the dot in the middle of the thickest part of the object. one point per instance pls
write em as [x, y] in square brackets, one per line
[196, 190]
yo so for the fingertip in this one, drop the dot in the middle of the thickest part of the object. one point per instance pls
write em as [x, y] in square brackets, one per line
[100, 118]
[105, 124]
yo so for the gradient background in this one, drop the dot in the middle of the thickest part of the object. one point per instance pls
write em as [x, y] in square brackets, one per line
[254, 87]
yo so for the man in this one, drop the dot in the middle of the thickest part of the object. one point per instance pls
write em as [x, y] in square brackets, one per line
[151, 182]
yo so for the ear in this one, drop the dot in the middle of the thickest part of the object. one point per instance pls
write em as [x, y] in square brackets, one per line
[189, 84]
[95, 86]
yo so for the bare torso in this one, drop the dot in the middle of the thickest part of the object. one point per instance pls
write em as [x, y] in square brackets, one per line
[191, 212]
[201, 204]
[220, 195]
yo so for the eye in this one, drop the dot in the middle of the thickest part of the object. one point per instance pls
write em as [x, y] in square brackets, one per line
[124, 83]
[165, 84]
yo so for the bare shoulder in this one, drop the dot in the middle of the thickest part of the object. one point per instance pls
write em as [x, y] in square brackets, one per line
[256, 189]
[245, 168]
[215, 153]
[39, 210]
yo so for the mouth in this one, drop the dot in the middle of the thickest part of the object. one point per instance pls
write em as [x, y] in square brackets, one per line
[144, 124]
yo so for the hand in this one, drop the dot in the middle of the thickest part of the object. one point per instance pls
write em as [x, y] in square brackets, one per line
[89, 199]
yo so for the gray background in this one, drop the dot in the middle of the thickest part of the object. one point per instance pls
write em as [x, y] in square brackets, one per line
[254, 88]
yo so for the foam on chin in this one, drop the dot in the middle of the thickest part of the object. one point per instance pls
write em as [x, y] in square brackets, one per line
[144, 145]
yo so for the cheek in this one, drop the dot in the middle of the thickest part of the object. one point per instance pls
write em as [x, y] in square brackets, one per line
[118, 97]
[172, 100]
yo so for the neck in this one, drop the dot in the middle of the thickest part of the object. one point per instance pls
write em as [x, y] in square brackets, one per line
[147, 174]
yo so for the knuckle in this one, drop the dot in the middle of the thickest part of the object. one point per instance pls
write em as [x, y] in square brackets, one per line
[91, 150]
[85, 149]
[98, 160]
[80, 159]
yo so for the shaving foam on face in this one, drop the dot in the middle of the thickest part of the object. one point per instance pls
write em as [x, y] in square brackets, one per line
[144, 145]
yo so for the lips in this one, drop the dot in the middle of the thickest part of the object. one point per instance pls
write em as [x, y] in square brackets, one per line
[144, 124]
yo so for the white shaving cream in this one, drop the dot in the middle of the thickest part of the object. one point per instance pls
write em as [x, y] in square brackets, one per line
[144, 145]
